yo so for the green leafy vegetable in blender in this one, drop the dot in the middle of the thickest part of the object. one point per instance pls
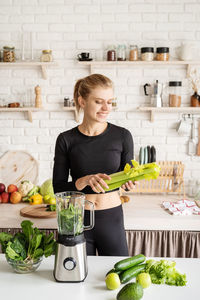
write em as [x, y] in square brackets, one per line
[164, 271]
[135, 173]
[71, 220]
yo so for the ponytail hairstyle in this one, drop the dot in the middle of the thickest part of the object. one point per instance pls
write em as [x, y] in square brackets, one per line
[84, 86]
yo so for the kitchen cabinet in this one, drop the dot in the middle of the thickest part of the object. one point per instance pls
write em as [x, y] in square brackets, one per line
[151, 110]
[41, 284]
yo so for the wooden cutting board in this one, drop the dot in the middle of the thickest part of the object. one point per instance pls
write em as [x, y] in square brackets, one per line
[16, 166]
[37, 211]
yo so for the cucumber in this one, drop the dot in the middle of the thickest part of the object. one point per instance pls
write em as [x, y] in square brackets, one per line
[113, 271]
[131, 273]
[129, 262]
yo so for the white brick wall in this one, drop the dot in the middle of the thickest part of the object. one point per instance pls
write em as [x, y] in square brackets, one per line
[69, 27]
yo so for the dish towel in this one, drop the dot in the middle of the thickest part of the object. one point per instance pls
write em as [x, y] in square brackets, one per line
[182, 207]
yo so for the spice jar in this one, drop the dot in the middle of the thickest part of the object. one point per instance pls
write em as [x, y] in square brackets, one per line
[195, 100]
[46, 56]
[175, 88]
[121, 52]
[111, 53]
[162, 53]
[133, 53]
[147, 53]
[8, 54]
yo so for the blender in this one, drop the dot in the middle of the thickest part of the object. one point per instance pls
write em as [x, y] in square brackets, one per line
[71, 259]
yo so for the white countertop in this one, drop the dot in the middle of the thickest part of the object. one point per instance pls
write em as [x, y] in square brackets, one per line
[142, 212]
[41, 284]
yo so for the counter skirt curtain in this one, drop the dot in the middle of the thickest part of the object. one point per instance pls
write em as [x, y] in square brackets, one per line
[164, 243]
[158, 243]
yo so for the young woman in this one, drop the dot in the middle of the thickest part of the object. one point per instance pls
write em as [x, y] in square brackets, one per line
[90, 152]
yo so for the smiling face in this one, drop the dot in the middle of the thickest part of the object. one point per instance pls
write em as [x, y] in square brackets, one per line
[98, 104]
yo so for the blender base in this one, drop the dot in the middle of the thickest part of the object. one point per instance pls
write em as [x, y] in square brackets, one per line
[70, 263]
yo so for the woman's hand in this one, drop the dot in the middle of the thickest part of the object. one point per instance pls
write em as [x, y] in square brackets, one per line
[95, 181]
[129, 185]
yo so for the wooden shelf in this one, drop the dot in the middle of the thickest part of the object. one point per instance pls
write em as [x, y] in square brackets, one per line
[76, 114]
[42, 65]
[29, 110]
[94, 63]
[184, 110]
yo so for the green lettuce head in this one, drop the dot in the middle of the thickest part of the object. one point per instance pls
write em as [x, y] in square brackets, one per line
[47, 188]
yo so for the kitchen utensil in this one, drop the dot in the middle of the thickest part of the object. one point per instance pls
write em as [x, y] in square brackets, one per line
[153, 154]
[16, 166]
[145, 155]
[38, 211]
[198, 145]
[155, 90]
[71, 259]
[141, 156]
[183, 127]
[175, 181]
[192, 142]
[149, 153]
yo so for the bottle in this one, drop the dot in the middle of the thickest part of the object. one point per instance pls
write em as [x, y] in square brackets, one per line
[133, 53]
[121, 52]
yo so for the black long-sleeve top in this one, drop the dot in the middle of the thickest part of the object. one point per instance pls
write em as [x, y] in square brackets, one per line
[79, 155]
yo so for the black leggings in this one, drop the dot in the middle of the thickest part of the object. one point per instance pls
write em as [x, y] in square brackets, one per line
[108, 236]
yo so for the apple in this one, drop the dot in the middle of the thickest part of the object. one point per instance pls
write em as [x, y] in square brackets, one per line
[15, 197]
[5, 197]
[2, 188]
[12, 188]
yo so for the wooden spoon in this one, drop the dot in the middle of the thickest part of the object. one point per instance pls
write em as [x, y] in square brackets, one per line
[198, 145]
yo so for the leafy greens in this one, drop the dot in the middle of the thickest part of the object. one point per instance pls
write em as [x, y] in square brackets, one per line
[30, 244]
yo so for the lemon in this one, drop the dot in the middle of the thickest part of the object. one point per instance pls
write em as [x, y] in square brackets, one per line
[144, 279]
[112, 281]
[52, 201]
[46, 198]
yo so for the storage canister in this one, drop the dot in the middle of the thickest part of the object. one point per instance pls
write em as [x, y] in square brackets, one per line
[175, 91]
[147, 53]
[8, 54]
[162, 53]
[111, 53]
[133, 53]
[121, 52]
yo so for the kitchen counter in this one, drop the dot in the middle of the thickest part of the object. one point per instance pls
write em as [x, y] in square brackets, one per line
[41, 284]
[142, 212]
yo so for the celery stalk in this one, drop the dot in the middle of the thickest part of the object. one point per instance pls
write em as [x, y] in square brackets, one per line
[137, 172]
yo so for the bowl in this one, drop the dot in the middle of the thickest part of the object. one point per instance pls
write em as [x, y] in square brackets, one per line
[24, 267]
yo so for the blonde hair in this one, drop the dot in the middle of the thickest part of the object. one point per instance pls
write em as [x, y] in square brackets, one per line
[84, 86]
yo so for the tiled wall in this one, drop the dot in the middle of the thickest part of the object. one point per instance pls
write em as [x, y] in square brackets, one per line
[70, 27]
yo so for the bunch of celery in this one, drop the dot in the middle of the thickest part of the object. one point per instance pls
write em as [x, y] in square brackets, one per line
[135, 173]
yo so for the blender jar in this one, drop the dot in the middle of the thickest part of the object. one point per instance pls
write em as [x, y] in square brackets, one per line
[175, 92]
[70, 207]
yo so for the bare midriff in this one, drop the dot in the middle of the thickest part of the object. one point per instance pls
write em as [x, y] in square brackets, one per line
[103, 201]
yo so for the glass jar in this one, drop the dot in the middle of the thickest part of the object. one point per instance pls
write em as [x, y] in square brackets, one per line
[121, 52]
[147, 53]
[8, 54]
[175, 91]
[46, 56]
[162, 53]
[195, 100]
[133, 53]
[111, 53]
